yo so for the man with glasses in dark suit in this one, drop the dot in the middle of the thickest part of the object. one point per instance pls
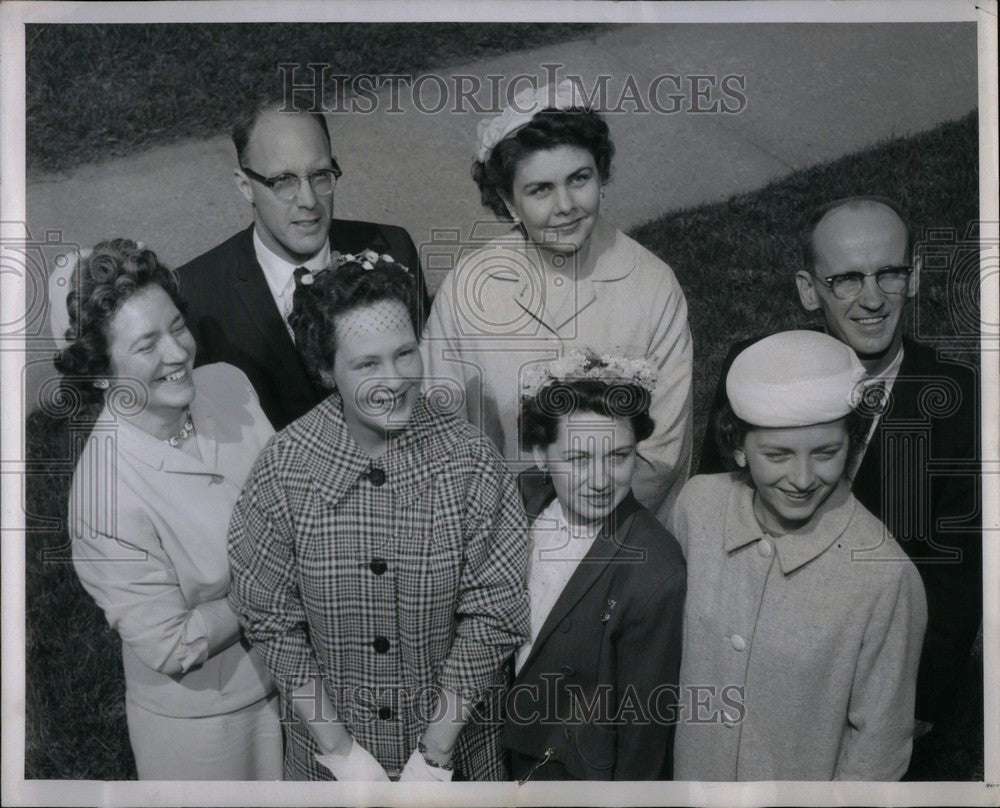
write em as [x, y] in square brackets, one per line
[239, 292]
[918, 469]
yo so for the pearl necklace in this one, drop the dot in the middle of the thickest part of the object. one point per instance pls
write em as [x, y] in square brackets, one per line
[186, 431]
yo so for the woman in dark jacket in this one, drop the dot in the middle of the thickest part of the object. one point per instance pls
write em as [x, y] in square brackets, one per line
[596, 684]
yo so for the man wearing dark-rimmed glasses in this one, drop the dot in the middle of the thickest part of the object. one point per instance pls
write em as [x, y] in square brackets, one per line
[239, 293]
[918, 469]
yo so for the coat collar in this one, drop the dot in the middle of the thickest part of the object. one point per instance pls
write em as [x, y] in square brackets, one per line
[336, 462]
[800, 546]
[144, 448]
[612, 543]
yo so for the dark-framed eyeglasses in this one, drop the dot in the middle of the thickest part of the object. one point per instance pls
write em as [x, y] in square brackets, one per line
[848, 285]
[286, 186]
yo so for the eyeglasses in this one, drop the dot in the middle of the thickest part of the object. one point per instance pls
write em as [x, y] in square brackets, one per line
[286, 186]
[848, 285]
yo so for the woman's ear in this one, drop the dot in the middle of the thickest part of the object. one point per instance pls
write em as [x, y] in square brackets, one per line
[326, 380]
[740, 458]
[511, 209]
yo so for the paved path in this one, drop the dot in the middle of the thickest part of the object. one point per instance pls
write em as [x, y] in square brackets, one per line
[814, 93]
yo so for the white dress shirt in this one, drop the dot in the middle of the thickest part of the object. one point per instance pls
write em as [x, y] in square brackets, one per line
[280, 273]
[556, 552]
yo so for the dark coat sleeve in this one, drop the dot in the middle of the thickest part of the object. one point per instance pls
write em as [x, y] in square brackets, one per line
[649, 660]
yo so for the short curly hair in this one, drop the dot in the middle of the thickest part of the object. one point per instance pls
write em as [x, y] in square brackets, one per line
[114, 271]
[548, 129]
[336, 291]
[540, 414]
[730, 431]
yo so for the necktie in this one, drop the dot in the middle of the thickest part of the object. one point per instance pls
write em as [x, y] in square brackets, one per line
[287, 295]
[873, 401]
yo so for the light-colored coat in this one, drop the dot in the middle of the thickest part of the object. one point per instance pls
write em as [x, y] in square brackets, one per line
[800, 651]
[149, 526]
[498, 313]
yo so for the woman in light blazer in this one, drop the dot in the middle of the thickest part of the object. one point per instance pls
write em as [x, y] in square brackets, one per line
[149, 513]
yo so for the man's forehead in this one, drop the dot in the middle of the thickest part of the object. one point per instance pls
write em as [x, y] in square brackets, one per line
[865, 233]
[287, 135]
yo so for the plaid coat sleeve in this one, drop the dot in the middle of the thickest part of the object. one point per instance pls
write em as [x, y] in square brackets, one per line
[492, 605]
[264, 590]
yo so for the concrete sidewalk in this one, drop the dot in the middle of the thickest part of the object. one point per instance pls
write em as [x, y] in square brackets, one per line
[813, 93]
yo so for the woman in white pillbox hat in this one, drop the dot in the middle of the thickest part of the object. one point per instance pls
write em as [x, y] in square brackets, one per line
[804, 619]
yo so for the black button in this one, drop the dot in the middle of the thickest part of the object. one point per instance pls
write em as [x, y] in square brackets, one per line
[378, 566]
[385, 713]
[381, 645]
[376, 477]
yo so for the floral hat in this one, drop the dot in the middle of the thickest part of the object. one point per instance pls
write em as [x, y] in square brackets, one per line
[579, 365]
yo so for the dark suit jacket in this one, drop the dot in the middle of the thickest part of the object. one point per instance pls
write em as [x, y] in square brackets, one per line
[921, 477]
[234, 319]
[611, 646]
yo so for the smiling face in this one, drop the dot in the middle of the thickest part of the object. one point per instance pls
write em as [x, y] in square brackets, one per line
[794, 470]
[863, 239]
[557, 195]
[285, 143]
[377, 370]
[149, 343]
[591, 463]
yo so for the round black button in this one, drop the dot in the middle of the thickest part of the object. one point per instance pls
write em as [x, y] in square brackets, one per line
[378, 566]
[376, 477]
[381, 645]
[385, 713]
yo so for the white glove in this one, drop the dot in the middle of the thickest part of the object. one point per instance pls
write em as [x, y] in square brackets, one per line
[357, 765]
[417, 770]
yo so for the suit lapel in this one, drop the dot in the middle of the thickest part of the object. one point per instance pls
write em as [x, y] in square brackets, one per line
[613, 535]
[868, 483]
[252, 290]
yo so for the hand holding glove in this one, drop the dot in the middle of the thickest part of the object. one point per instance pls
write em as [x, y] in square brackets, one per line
[419, 770]
[357, 765]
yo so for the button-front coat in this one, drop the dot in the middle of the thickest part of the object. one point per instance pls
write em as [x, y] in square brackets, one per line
[384, 578]
[800, 651]
[498, 313]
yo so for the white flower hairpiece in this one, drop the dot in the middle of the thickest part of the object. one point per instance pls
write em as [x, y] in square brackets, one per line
[367, 259]
[520, 112]
[579, 364]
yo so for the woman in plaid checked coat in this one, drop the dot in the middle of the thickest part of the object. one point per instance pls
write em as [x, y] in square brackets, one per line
[379, 551]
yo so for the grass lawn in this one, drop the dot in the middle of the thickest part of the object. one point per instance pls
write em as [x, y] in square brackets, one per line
[734, 260]
[158, 83]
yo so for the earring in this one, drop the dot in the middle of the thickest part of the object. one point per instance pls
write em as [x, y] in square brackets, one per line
[740, 457]
[546, 479]
[102, 384]
[602, 192]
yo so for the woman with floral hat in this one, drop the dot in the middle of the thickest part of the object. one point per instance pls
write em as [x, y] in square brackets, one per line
[596, 683]
[560, 277]
[804, 618]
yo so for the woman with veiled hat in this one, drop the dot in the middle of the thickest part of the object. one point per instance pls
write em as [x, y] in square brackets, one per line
[804, 619]
[561, 277]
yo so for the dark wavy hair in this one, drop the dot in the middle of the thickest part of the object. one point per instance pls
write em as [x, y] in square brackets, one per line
[337, 290]
[115, 270]
[730, 431]
[538, 422]
[577, 126]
